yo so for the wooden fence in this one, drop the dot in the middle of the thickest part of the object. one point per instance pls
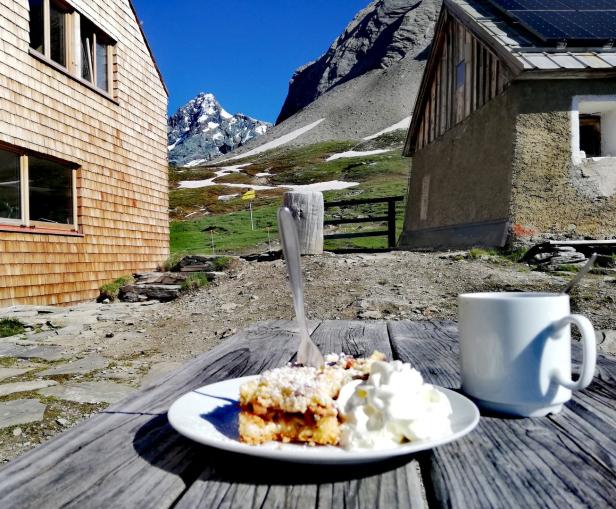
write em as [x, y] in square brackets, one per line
[390, 233]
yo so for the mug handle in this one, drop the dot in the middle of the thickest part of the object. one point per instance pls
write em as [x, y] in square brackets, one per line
[589, 352]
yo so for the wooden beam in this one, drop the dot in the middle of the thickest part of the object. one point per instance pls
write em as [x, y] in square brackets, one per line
[24, 191]
[46, 29]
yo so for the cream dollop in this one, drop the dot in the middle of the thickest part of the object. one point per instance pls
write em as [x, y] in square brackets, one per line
[393, 406]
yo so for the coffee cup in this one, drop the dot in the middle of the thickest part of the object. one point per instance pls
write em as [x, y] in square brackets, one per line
[515, 351]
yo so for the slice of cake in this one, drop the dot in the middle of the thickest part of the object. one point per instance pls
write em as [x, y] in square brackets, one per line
[298, 403]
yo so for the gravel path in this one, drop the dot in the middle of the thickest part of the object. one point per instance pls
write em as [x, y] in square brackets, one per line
[75, 361]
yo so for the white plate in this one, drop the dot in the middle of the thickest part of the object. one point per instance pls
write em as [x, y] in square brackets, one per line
[209, 415]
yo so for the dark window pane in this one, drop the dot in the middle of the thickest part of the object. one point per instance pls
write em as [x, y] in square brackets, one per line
[590, 135]
[460, 74]
[87, 50]
[101, 64]
[9, 186]
[36, 25]
[51, 191]
[57, 23]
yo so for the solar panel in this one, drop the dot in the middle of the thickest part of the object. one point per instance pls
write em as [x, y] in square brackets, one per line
[531, 5]
[564, 20]
[590, 5]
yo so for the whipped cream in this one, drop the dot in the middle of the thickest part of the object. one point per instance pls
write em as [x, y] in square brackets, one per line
[391, 407]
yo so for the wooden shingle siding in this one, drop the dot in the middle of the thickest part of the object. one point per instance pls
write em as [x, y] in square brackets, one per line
[119, 145]
[449, 101]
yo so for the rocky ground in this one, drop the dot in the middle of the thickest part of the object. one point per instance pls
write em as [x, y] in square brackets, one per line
[73, 362]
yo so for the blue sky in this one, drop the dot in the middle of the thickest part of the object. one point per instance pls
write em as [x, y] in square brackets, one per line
[243, 51]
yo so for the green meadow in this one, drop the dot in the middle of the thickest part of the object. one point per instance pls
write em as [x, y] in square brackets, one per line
[201, 223]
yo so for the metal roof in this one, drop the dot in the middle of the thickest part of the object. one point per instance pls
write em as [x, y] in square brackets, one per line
[521, 48]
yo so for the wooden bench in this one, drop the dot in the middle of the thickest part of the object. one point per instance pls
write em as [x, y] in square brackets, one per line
[129, 456]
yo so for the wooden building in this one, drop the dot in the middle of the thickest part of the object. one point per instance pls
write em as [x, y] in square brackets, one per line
[83, 156]
[513, 133]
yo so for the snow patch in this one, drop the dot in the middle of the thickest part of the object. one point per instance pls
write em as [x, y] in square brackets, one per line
[212, 125]
[356, 153]
[403, 124]
[228, 197]
[225, 114]
[332, 185]
[278, 142]
[194, 163]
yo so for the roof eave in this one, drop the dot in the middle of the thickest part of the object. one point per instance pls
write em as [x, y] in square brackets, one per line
[550, 74]
[514, 66]
[409, 144]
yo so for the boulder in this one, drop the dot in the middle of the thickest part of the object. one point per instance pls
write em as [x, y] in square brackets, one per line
[138, 292]
[160, 278]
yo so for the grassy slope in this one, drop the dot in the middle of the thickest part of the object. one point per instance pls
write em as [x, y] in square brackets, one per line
[228, 222]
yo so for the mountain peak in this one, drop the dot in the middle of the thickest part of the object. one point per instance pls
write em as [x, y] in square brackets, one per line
[203, 129]
[381, 36]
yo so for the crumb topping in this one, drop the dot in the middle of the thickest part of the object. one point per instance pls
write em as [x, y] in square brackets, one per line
[302, 389]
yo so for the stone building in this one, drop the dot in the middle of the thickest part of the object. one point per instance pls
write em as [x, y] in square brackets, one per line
[83, 156]
[514, 131]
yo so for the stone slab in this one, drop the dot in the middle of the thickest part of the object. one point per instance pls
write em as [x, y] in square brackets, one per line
[158, 370]
[89, 392]
[47, 353]
[81, 366]
[11, 372]
[21, 411]
[34, 385]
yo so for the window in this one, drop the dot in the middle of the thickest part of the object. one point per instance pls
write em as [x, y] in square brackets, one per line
[38, 192]
[593, 127]
[37, 24]
[460, 74]
[62, 35]
[50, 189]
[10, 188]
[49, 30]
[95, 47]
[590, 135]
[57, 34]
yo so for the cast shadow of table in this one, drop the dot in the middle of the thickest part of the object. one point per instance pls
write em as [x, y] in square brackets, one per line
[163, 447]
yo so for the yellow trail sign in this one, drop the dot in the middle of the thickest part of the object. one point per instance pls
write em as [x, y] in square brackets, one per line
[249, 195]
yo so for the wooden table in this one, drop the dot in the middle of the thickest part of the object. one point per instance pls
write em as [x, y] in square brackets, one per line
[128, 456]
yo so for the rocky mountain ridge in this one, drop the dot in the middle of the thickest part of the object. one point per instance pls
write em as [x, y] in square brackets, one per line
[379, 36]
[365, 82]
[203, 130]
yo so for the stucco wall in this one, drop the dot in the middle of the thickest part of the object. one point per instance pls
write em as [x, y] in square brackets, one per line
[459, 188]
[551, 195]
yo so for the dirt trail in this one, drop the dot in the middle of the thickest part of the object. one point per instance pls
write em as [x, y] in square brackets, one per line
[110, 350]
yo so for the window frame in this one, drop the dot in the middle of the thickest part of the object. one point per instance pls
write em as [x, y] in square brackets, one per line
[9, 220]
[73, 55]
[25, 221]
[576, 105]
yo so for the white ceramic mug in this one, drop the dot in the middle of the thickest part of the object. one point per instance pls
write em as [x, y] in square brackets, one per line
[515, 351]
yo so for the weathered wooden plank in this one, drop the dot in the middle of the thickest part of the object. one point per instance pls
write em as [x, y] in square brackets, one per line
[261, 483]
[363, 201]
[129, 456]
[308, 211]
[565, 460]
[357, 338]
[272, 484]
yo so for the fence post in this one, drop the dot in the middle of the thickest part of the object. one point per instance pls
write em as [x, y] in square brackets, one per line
[309, 211]
[391, 223]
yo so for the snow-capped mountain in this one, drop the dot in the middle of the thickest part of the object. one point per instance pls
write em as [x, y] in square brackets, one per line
[203, 130]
